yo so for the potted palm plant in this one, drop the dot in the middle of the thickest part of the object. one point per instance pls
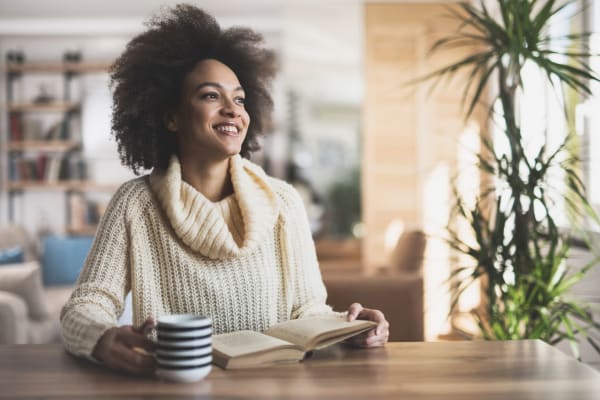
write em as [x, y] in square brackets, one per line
[517, 247]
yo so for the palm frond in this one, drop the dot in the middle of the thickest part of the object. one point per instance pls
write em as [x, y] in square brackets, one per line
[516, 242]
[480, 87]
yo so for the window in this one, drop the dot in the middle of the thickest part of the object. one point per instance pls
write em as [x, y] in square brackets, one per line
[544, 120]
[588, 113]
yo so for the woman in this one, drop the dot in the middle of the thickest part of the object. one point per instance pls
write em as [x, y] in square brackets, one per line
[207, 232]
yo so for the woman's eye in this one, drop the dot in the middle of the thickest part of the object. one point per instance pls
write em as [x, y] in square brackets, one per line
[210, 96]
[240, 100]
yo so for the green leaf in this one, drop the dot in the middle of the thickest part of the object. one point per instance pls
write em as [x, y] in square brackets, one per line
[571, 336]
[481, 85]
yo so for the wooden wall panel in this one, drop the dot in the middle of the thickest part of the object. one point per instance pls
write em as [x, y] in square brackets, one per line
[396, 43]
[411, 136]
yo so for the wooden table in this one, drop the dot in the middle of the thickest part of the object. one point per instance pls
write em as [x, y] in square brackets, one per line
[445, 370]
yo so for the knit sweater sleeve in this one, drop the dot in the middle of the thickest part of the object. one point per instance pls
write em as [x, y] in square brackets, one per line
[308, 291]
[98, 298]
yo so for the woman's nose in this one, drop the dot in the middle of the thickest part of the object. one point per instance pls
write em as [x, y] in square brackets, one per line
[229, 109]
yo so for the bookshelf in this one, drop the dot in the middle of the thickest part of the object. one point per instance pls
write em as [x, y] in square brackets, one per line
[43, 145]
[41, 142]
[77, 67]
[71, 185]
[55, 106]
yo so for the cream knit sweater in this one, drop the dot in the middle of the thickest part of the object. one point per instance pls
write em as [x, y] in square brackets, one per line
[247, 261]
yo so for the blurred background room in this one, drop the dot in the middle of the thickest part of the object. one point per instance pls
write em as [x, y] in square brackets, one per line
[375, 159]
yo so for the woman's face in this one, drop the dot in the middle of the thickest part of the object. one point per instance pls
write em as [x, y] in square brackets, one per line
[210, 121]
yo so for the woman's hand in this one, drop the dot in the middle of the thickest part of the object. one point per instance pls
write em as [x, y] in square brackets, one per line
[118, 349]
[375, 337]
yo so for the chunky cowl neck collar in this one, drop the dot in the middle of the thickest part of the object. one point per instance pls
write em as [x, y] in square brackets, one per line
[199, 223]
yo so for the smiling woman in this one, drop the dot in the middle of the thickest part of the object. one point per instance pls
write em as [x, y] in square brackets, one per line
[210, 123]
[207, 232]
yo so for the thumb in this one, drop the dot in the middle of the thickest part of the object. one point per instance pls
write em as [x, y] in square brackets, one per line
[148, 324]
[353, 311]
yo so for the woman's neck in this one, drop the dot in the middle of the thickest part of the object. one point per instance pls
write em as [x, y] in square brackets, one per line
[211, 178]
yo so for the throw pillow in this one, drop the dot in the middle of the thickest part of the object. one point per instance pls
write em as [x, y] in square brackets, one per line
[13, 255]
[63, 257]
[25, 281]
[409, 252]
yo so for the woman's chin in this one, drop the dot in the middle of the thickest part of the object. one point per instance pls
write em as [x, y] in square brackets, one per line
[231, 145]
[232, 151]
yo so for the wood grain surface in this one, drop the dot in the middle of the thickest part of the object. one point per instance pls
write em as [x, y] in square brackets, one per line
[441, 370]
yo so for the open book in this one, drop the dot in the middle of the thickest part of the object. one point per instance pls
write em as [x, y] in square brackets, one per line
[284, 342]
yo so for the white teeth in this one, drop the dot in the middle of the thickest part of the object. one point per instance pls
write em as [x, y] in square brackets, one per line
[226, 128]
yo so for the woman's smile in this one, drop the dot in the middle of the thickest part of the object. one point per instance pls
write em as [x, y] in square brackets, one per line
[227, 128]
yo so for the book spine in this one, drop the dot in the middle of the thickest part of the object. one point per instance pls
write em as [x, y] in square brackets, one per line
[13, 169]
[42, 161]
[16, 127]
[63, 169]
[77, 210]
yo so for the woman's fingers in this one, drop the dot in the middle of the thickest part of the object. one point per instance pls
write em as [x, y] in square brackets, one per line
[369, 339]
[126, 359]
[148, 324]
[376, 340]
[375, 316]
[117, 349]
[375, 337]
[136, 340]
[139, 363]
[354, 311]
[371, 315]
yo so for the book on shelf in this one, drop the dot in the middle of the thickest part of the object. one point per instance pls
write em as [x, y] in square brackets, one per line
[77, 211]
[16, 126]
[29, 128]
[284, 342]
[28, 169]
[77, 168]
[53, 169]
[58, 131]
[45, 168]
[13, 173]
[84, 212]
[41, 162]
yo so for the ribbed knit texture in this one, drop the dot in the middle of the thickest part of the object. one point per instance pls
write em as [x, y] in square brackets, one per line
[247, 261]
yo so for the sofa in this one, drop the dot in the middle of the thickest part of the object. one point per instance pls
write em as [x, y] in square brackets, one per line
[29, 311]
[396, 289]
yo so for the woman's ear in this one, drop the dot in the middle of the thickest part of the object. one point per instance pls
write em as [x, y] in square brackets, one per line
[170, 122]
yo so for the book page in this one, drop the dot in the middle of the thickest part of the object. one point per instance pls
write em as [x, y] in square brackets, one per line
[235, 344]
[308, 332]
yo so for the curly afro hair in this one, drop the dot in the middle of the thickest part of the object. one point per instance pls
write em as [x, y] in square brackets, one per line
[147, 81]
